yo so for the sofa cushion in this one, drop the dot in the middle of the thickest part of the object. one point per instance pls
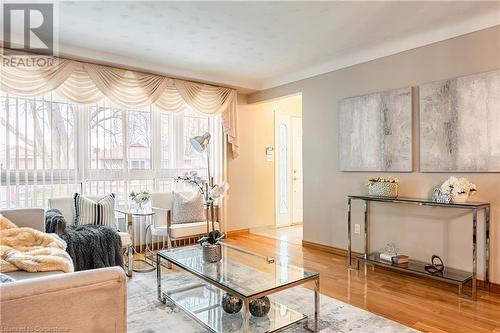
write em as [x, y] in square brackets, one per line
[187, 209]
[189, 229]
[88, 211]
[24, 275]
[26, 217]
[6, 279]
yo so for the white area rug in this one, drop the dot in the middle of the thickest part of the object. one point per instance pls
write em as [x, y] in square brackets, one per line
[147, 315]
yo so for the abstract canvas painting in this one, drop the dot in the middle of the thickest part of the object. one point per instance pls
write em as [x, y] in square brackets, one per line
[460, 124]
[375, 132]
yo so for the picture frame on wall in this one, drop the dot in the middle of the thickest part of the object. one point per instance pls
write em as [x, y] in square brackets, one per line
[375, 132]
[460, 124]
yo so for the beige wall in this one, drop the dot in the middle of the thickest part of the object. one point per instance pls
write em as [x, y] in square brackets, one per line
[419, 231]
[250, 201]
[251, 176]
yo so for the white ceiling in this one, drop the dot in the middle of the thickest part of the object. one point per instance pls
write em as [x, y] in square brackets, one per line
[257, 45]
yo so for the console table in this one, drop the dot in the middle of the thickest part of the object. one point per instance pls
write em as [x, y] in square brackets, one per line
[450, 275]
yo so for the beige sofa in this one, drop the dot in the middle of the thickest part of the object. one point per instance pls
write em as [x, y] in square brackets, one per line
[87, 301]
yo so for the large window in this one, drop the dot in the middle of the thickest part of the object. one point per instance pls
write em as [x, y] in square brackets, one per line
[105, 138]
[51, 148]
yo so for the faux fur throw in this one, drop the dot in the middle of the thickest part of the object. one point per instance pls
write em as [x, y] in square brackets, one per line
[54, 222]
[93, 246]
[31, 250]
[90, 246]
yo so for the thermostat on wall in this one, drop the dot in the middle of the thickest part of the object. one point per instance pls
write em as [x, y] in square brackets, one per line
[269, 153]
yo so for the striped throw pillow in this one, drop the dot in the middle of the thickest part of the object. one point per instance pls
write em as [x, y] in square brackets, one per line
[90, 212]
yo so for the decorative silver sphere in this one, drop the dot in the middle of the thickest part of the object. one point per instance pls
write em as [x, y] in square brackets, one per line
[231, 304]
[260, 307]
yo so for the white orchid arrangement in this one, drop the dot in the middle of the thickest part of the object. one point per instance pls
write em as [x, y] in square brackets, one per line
[140, 197]
[388, 179]
[209, 193]
[455, 186]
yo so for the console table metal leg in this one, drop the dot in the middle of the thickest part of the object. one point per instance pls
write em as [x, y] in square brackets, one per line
[366, 237]
[366, 229]
[316, 305]
[487, 248]
[474, 254]
[349, 253]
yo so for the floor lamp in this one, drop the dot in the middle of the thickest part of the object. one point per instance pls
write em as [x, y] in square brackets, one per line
[200, 144]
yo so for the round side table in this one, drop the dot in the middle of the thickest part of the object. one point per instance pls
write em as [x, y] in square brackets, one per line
[143, 215]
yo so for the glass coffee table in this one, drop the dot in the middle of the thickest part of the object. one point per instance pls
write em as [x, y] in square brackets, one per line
[240, 273]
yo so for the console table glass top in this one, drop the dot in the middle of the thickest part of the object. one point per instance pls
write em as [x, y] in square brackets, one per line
[244, 273]
[420, 201]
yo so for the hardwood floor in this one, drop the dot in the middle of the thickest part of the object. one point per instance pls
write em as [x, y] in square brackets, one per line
[426, 305]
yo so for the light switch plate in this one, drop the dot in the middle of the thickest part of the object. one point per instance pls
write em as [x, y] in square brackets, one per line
[357, 229]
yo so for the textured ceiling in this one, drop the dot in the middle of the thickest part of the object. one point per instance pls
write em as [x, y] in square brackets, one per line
[256, 44]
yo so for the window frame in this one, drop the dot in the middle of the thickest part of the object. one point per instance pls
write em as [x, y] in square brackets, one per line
[86, 180]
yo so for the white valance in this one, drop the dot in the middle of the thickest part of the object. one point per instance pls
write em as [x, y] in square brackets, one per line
[85, 83]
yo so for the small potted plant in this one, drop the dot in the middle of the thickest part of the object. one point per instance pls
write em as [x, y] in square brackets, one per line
[211, 193]
[140, 198]
[383, 186]
[212, 251]
[458, 188]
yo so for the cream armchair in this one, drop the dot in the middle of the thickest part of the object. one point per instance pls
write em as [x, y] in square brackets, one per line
[162, 226]
[66, 206]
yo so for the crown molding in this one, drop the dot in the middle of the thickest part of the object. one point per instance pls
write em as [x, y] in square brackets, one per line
[390, 48]
[111, 59]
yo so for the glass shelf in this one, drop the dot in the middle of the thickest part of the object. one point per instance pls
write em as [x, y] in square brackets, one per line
[202, 303]
[451, 275]
[420, 201]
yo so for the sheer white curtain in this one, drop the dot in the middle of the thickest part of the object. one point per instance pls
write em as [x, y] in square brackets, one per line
[38, 150]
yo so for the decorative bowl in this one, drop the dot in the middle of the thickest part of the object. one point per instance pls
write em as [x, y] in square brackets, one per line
[383, 189]
[460, 198]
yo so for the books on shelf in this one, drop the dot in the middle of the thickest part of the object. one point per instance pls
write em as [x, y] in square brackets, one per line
[394, 258]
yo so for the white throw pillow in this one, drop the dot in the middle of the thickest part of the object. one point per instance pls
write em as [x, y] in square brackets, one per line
[90, 212]
[187, 209]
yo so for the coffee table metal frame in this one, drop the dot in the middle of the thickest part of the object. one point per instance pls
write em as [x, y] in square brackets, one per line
[164, 296]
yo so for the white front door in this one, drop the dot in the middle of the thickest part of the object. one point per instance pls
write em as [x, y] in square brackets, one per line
[288, 169]
[297, 213]
[283, 170]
